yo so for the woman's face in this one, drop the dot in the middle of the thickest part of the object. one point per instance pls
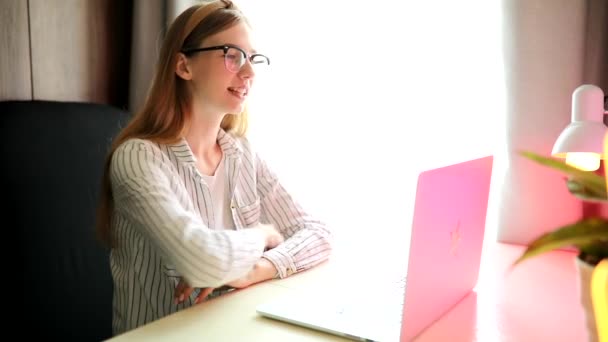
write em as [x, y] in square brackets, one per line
[215, 88]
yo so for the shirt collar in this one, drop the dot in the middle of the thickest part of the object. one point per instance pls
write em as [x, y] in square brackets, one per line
[228, 144]
[184, 154]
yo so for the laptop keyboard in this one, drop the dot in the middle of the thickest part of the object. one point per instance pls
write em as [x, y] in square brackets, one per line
[385, 303]
[374, 309]
[397, 290]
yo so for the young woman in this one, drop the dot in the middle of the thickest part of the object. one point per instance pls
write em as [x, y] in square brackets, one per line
[187, 203]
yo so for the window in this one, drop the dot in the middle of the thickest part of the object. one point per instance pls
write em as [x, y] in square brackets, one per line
[361, 96]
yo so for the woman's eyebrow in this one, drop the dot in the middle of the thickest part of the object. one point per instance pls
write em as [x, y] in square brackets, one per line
[251, 52]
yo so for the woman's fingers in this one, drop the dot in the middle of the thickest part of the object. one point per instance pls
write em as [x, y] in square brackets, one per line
[187, 292]
[179, 290]
[182, 291]
[203, 294]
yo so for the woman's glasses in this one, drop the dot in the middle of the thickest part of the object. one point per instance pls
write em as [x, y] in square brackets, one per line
[234, 57]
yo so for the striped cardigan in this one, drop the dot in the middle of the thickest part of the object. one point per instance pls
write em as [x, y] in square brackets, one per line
[165, 229]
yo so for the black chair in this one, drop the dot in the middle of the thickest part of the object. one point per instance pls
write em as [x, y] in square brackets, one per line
[52, 159]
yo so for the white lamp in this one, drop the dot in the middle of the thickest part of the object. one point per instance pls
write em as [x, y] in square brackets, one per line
[582, 142]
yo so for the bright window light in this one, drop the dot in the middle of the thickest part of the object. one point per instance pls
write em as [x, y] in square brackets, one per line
[361, 96]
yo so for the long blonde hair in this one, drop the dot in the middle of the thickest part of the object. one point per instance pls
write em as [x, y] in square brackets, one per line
[166, 115]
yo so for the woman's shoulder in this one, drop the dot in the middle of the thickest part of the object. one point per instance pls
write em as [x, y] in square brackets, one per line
[135, 152]
[135, 144]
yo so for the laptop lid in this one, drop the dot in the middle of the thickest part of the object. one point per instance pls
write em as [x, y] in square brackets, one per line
[447, 241]
[444, 258]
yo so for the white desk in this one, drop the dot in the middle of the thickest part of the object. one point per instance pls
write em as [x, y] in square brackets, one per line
[537, 301]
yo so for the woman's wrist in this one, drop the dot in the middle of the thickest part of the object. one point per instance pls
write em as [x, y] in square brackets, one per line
[264, 270]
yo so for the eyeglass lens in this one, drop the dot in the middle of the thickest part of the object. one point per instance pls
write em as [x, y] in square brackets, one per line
[235, 59]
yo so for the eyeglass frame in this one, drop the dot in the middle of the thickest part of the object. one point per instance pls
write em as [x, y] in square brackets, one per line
[225, 47]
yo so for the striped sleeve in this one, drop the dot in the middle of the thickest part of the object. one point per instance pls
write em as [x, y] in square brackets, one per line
[148, 193]
[307, 240]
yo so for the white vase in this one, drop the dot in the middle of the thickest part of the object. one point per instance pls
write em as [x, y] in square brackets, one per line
[585, 272]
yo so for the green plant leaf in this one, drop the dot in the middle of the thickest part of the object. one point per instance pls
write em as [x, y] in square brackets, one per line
[584, 235]
[581, 192]
[589, 185]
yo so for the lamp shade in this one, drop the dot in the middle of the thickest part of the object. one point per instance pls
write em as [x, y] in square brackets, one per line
[584, 136]
[580, 137]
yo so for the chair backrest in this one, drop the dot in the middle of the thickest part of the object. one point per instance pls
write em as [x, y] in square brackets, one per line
[52, 161]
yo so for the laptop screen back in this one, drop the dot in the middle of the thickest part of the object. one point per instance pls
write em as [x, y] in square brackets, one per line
[446, 242]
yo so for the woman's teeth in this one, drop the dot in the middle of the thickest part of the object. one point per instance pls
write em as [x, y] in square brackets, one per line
[238, 91]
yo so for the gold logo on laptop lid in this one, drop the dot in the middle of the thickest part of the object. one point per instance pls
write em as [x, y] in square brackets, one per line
[455, 239]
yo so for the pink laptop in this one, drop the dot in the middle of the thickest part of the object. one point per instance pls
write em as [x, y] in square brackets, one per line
[443, 264]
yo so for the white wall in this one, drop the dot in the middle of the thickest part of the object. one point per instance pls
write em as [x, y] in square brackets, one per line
[544, 58]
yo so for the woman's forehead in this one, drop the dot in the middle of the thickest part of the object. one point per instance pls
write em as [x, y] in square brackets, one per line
[239, 35]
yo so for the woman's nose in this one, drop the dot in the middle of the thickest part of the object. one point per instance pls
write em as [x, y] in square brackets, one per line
[247, 71]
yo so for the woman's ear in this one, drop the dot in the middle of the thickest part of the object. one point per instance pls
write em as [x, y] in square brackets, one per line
[182, 69]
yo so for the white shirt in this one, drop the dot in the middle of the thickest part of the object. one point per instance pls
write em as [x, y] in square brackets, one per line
[220, 196]
[166, 229]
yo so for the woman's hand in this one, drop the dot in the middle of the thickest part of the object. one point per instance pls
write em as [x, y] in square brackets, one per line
[183, 291]
[262, 271]
[272, 236]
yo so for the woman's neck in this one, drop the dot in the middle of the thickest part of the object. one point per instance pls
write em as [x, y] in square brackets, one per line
[202, 139]
[202, 142]
[202, 133]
